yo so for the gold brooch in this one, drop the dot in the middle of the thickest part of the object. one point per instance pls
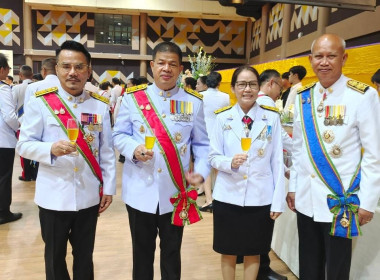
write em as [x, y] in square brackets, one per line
[177, 137]
[183, 150]
[328, 136]
[336, 151]
[261, 152]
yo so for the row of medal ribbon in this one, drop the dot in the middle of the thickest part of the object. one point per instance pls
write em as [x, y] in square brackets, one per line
[93, 121]
[181, 111]
[334, 114]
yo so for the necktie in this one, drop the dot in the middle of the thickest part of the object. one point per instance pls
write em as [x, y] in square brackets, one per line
[247, 121]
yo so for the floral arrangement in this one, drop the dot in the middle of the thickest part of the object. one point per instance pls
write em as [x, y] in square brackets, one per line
[201, 63]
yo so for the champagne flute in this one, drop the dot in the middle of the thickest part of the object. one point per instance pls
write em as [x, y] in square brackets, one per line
[150, 140]
[245, 142]
[72, 133]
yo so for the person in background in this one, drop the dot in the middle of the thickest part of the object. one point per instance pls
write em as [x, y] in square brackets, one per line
[243, 220]
[50, 79]
[9, 80]
[190, 83]
[201, 84]
[37, 77]
[334, 181]
[142, 80]
[296, 75]
[115, 91]
[156, 177]
[375, 79]
[213, 99]
[76, 181]
[286, 85]
[8, 127]
[29, 167]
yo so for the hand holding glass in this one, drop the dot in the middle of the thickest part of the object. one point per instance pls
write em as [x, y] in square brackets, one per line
[72, 133]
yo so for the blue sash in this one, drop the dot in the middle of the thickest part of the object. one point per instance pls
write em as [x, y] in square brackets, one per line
[20, 111]
[343, 204]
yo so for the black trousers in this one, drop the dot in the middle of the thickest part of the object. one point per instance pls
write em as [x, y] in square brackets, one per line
[78, 227]
[29, 169]
[144, 229]
[7, 156]
[322, 256]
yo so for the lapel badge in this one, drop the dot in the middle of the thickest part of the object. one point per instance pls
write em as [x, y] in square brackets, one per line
[328, 136]
[81, 100]
[264, 118]
[336, 151]
[183, 150]
[142, 129]
[69, 98]
[89, 137]
[177, 137]
[168, 94]
[141, 107]
[261, 152]
[160, 93]
[56, 112]
[147, 107]
[62, 111]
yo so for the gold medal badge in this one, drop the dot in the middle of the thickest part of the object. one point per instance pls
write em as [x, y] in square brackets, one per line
[336, 151]
[177, 137]
[142, 129]
[261, 152]
[90, 127]
[183, 150]
[89, 137]
[344, 221]
[328, 136]
[183, 214]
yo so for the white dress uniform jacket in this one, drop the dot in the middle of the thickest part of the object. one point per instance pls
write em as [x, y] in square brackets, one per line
[8, 118]
[360, 130]
[18, 93]
[213, 99]
[67, 183]
[262, 181]
[292, 96]
[49, 81]
[128, 135]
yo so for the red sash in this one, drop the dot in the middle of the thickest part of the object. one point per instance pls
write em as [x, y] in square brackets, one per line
[184, 201]
[54, 103]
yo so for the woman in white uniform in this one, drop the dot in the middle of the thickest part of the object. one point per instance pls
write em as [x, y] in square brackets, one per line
[249, 192]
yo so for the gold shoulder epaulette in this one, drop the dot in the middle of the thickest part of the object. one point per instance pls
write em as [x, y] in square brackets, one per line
[45, 91]
[136, 88]
[306, 87]
[358, 86]
[270, 108]
[99, 97]
[194, 93]
[222, 109]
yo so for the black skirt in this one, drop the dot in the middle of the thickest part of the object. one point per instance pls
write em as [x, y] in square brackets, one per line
[244, 231]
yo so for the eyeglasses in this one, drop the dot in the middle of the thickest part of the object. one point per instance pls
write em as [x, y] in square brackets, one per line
[281, 88]
[78, 68]
[243, 84]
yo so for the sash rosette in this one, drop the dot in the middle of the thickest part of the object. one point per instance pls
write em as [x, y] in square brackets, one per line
[184, 201]
[54, 102]
[343, 204]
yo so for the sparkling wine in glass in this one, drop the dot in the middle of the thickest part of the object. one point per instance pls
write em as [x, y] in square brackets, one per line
[72, 133]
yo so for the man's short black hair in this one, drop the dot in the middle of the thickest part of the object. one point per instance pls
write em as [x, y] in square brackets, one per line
[74, 46]
[376, 77]
[167, 47]
[213, 79]
[268, 74]
[116, 81]
[191, 82]
[285, 75]
[299, 70]
[3, 61]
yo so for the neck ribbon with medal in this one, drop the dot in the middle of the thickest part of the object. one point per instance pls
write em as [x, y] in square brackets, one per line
[61, 112]
[184, 201]
[343, 204]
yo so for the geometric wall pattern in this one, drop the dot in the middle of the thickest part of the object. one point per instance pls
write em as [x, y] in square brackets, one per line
[256, 34]
[302, 16]
[58, 26]
[275, 23]
[108, 75]
[220, 38]
[9, 27]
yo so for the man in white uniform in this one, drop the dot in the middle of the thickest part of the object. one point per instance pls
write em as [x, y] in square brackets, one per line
[296, 75]
[8, 127]
[156, 178]
[334, 181]
[18, 91]
[75, 181]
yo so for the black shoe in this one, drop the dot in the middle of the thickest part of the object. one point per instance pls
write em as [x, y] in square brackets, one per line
[24, 179]
[201, 193]
[11, 217]
[207, 208]
[270, 275]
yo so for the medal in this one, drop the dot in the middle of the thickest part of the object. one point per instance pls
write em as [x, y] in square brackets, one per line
[183, 214]
[91, 127]
[56, 112]
[183, 150]
[147, 107]
[177, 137]
[327, 118]
[89, 137]
[308, 100]
[62, 111]
[320, 108]
[328, 136]
[261, 152]
[336, 151]
[141, 107]
[344, 221]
